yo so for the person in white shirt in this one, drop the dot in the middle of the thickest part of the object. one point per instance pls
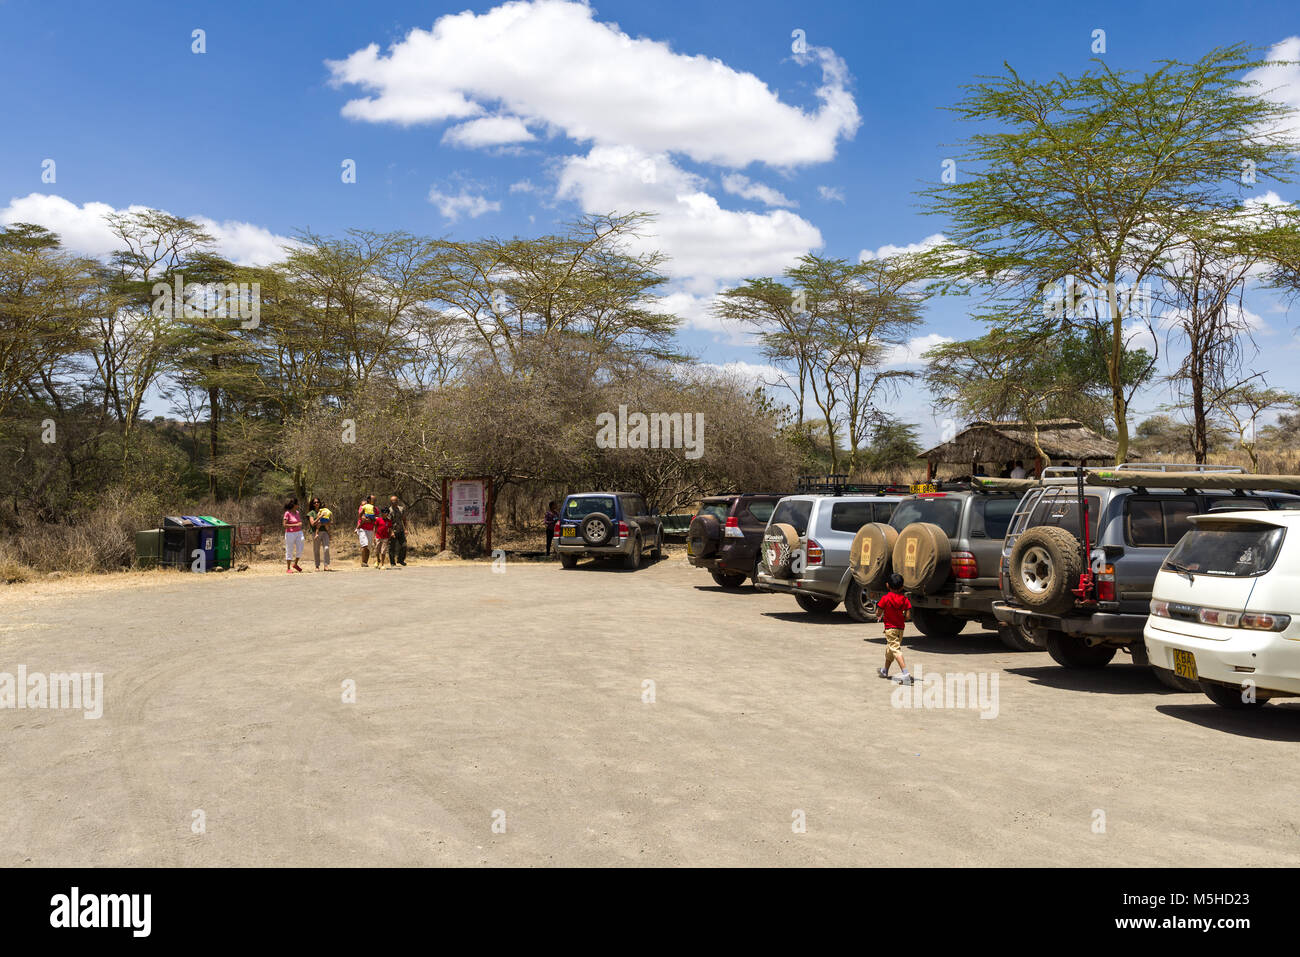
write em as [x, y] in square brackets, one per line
[1019, 470]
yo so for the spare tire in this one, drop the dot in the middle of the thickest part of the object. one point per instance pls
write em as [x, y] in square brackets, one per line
[596, 529]
[870, 554]
[1044, 567]
[780, 542]
[703, 535]
[923, 557]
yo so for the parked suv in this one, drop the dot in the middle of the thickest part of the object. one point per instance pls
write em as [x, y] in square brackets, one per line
[947, 546]
[1225, 611]
[806, 546]
[726, 534]
[1136, 514]
[607, 525]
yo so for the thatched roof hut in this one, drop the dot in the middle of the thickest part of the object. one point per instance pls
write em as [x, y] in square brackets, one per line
[994, 443]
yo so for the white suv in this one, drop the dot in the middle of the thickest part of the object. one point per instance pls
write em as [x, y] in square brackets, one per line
[1225, 609]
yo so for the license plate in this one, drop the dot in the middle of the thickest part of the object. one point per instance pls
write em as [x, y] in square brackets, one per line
[569, 532]
[1185, 665]
[690, 548]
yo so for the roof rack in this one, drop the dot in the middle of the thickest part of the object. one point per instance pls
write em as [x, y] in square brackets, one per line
[839, 485]
[1172, 467]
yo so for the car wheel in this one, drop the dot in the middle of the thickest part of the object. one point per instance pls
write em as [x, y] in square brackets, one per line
[1020, 638]
[859, 606]
[758, 567]
[1177, 682]
[729, 579]
[935, 624]
[1069, 651]
[658, 551]
[1230, 698]
[815, 605]
[632, 560]
[568, 561]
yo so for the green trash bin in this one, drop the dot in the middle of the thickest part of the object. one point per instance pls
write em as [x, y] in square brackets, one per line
[149, 547]
[225, 540]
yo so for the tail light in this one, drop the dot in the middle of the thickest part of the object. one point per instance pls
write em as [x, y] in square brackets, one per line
[1106, 583]
[622, 530]
[964, 566]
[732, 528]
[1159, 608]
[1265, 622]
[556, 531]
[814, 553]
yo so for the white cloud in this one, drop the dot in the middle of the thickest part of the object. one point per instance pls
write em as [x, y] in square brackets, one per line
[740, 185]
[488, 131]
[832, 194]
[884, 252]
[84, 230]
[1281, 83]
[463, 203]
[705, 243]
[910, 352]
[524, 186]
[550, 63]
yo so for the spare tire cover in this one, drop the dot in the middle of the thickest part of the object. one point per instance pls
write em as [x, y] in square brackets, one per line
[871, 553]
[923, 557]
[703, 536]
[780, 542]
[596, 529]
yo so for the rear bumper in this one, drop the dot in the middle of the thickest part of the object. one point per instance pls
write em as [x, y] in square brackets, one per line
[579, 547]
[1273, 663]
[968, 600]
[824, 583]
[1101, 624]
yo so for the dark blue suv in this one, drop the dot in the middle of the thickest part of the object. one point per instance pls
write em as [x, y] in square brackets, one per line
[607, 525]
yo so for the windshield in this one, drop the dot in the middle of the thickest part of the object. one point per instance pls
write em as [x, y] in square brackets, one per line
[1239, 550]
[944, 512]
[589, 505]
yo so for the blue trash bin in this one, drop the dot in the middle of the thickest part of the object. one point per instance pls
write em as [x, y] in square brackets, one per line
[207, 541]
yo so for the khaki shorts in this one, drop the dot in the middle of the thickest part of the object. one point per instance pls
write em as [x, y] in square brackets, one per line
[893, 643]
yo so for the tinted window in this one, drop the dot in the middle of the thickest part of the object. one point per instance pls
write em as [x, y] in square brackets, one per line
[1237, 550]
[717, 509]
[944, 512]
[582, 507]
[884, 511]
[1063, 511]
[1157, 521]
[793, 512]
[761, 511]
[997, 514]
[851, 516]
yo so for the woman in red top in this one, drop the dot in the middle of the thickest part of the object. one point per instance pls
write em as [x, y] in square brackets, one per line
[292, 536]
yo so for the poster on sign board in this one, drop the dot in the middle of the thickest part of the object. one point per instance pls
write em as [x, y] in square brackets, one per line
[468, 502]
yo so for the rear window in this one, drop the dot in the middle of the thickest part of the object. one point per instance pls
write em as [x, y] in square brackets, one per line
[718, 510]
[1063, 512]
[944, 512]
[995, 514]
[589, 505]
[851, 516]
[884, 511]
[793, 512]
[1237, 550]
[761, 511]
[1157, 521]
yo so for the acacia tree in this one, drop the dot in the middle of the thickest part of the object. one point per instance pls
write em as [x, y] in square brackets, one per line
[1096, 178]
[1244, 405]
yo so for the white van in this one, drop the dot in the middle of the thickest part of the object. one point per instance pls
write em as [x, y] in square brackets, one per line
[1225, 608]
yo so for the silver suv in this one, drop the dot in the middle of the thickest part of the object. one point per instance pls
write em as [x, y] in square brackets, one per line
[805, 550]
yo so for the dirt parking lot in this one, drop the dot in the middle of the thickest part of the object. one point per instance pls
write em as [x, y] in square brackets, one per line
[520, 699]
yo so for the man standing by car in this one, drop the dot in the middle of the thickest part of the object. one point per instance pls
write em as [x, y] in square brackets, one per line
[396, 532]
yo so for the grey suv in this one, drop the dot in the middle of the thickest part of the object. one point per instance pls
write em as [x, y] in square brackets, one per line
[805, 550]
[1131, 529]
[959, 529]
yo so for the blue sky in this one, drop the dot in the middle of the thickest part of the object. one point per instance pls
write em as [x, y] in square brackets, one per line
[551, 113]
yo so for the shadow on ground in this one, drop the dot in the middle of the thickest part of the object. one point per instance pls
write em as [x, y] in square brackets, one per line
[1269, 723]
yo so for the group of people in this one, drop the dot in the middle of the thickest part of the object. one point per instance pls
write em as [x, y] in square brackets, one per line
[381, 531]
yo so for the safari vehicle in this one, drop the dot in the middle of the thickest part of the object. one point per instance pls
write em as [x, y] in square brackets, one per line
[607, 525]
[1225, 610]
[1085, 587]
[726, 534]
[946, 542]
[806, 545]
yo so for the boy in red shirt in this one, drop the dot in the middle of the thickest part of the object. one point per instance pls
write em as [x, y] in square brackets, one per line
[382, 527]
[894, 608]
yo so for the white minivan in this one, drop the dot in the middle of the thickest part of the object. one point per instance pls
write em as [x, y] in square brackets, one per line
[1225, 608]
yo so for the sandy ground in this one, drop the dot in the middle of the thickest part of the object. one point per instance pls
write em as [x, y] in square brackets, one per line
[520, 699]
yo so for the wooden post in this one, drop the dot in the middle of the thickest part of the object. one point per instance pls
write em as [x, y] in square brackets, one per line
[442, 541]
[487, 493]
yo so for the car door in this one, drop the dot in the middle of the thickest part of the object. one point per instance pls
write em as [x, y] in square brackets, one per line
[989, 520]
[1152, 525]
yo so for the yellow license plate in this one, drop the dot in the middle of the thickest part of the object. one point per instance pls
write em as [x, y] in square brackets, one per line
[690, 549]
[568, 532]
[1185, 665]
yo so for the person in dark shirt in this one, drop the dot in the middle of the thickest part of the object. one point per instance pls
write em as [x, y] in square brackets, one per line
[552, 516]
[894, 609]
[396, 532]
